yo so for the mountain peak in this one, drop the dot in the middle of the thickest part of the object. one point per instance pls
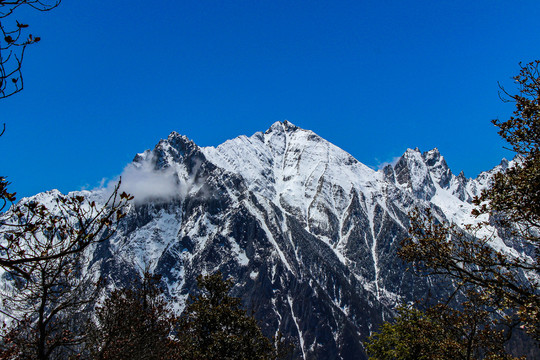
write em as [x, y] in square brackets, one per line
[412, 152]
[291, 219]
[282, 126]
[440, 172]
[173, 149]
[433, 154]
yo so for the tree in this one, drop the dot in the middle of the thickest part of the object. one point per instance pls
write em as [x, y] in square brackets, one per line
[41, 246]
[41, 252]
[137, 323]
[440, 333]
[505, 285]
[410, 337]
[133, 323]
[512, 203]
[48, 310]
[32, 233]
[13, 43]
[214, 326]
[5, 196]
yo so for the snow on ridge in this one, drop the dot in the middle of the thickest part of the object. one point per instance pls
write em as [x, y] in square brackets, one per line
[295, 168]
[288, 161]
[300, 173]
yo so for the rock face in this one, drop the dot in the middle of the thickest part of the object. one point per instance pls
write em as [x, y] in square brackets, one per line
[308, 234]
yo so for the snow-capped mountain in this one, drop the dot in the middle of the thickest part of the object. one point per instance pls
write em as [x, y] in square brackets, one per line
[308, 234]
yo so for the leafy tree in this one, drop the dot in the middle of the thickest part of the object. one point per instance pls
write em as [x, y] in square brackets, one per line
[410, 337]
[136, 323]
[13, 43]
[512, 203]
[214, 326]
[440, 333]
[133, 323]
[506, 286]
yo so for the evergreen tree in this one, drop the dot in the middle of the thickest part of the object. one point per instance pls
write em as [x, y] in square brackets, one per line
[133, 323]
[215, 327]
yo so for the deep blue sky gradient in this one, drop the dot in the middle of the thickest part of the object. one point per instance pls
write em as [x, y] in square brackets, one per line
[111, 78]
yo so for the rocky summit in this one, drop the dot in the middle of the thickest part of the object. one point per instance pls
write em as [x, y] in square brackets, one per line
[308, 234]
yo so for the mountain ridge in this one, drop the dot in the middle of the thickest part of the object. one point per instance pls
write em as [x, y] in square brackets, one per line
[308, 233]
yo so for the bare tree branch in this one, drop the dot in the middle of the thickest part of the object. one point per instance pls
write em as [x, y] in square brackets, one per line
[13, 43]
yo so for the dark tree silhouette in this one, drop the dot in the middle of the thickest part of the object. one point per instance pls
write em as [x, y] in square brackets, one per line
[512, 203]
[133, 323]
[48, 310]
[214, 326]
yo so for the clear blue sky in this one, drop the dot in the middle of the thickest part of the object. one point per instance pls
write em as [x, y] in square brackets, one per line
[111, 78]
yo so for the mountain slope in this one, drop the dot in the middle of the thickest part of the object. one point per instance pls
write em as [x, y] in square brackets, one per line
[308, 234]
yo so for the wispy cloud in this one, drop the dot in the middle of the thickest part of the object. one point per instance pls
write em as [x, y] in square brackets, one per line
[391, 162]
[146, 183]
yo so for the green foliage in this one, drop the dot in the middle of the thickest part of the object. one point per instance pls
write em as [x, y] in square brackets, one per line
[408, 337]
[438, 333]
[502, 290]
[133, 323]
[215, 327]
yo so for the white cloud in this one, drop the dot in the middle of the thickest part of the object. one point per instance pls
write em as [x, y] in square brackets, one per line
[391, 162]
[145, 183]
